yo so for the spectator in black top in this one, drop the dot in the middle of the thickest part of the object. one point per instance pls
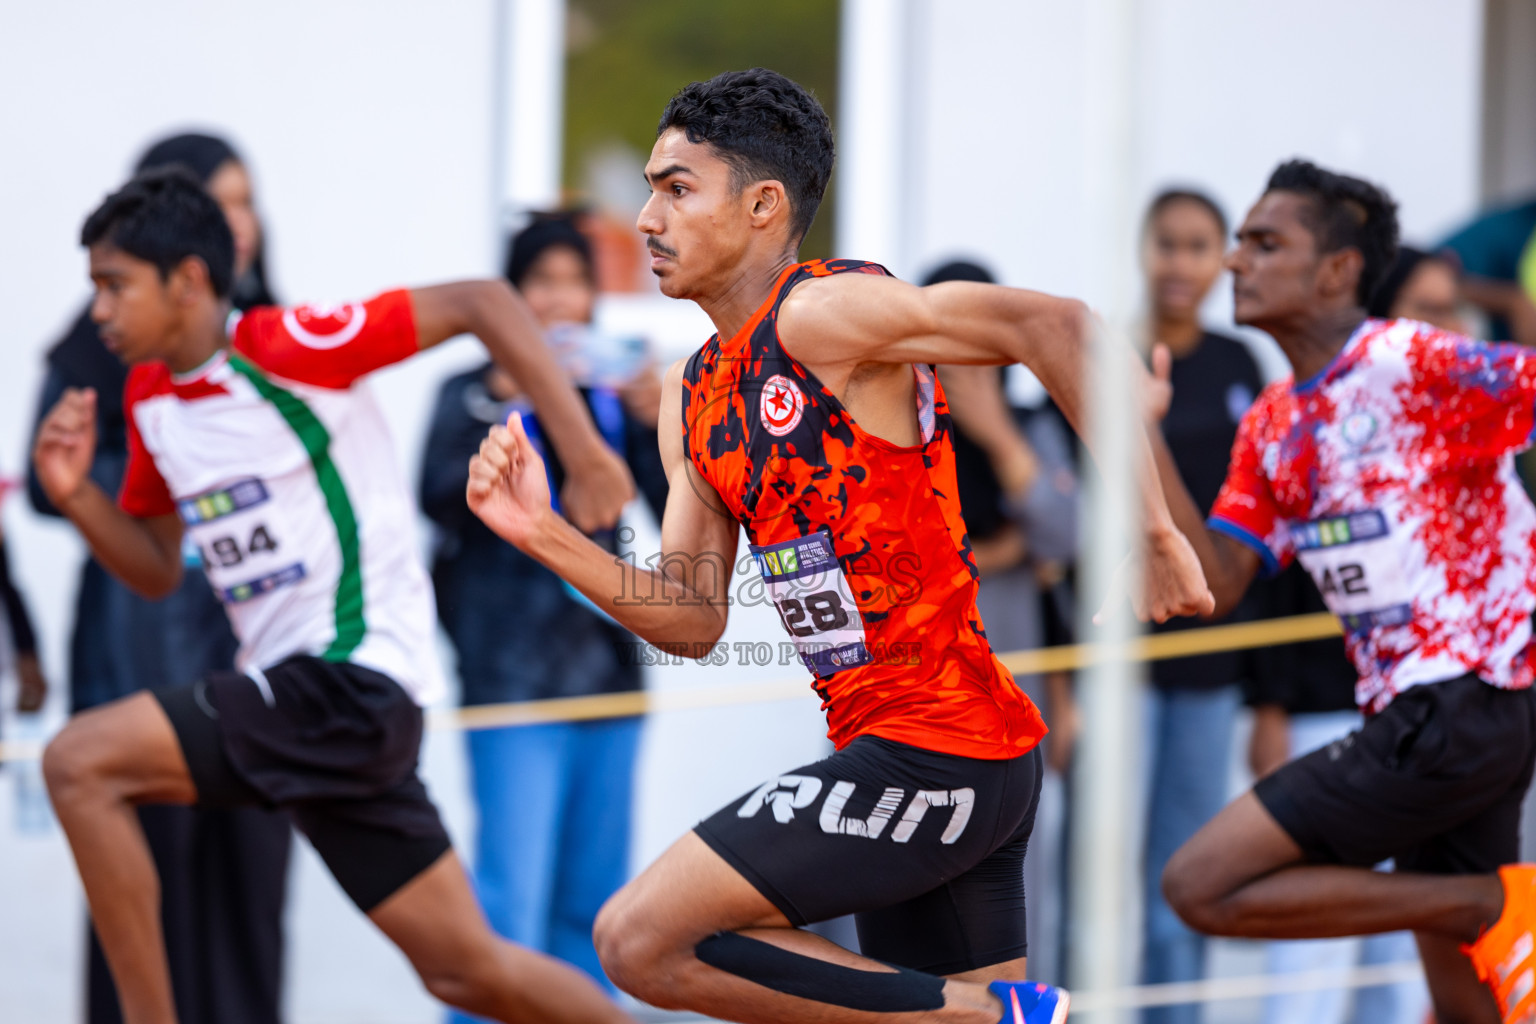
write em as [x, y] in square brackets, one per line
[1193, 702]
[223, 871]
[555, 800]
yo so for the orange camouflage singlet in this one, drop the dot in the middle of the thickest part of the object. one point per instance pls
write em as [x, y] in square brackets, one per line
[859, 543]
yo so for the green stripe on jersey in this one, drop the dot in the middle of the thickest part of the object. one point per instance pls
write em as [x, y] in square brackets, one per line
[316, 440]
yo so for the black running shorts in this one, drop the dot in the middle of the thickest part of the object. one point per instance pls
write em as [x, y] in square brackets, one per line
[332, 744]
[1434, 781]
[926, 850]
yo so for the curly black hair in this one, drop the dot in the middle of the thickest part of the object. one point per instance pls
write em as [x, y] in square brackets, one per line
[1345, 213]
[766, 127]
[163, 216]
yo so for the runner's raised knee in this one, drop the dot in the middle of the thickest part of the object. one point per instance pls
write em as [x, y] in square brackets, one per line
[629, 952]
[72, 764]
[1190, 897]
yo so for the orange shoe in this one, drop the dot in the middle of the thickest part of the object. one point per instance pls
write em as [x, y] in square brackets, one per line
[1504, 956]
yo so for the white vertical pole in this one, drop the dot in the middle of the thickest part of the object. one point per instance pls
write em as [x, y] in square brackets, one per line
[871, 117]
[1103, 831]
[530, 70]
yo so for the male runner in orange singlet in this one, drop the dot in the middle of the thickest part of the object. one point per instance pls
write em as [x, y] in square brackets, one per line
[814, 419]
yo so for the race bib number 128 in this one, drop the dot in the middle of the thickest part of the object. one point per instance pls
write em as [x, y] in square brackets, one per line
[807, 586]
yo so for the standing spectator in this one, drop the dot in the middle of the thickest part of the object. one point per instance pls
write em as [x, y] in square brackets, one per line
[1018, 496]
[555, 799]
[223, 872]
[1193, 702]
[1420, 286]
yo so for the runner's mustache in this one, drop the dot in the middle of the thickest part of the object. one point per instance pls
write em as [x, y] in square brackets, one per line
[661, 250]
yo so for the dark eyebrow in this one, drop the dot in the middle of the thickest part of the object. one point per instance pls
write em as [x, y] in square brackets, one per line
[667, 172]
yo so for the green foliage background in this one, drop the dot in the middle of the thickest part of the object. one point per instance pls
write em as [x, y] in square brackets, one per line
[626, 58]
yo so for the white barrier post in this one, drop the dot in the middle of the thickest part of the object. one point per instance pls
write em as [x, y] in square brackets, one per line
[1103, 833]
[530, 105]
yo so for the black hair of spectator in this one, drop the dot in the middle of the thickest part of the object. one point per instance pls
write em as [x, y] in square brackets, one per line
[1397, 275]
[164, 217]
[959, 270]
[1345, 213]
[1168, 196]
[203, 155]
[766, 127]
[547, 231]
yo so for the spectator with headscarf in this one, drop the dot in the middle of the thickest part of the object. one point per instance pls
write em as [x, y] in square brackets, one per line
[554, 800]
[223, 871]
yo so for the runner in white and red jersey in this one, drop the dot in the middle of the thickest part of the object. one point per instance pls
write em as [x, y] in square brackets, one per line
[257, 440]
[1385, 464]
[1390, 475]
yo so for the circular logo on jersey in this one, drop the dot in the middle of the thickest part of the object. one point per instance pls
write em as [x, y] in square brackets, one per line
[323, 326]
[781, 405]
[1358, 429]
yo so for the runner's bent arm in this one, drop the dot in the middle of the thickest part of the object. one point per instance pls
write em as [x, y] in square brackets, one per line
[143, 553]
[853, 319]
[1229, 565]
[681, 604]
[598, 483]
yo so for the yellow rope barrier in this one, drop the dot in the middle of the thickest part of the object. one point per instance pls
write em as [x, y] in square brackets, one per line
[1207, 640]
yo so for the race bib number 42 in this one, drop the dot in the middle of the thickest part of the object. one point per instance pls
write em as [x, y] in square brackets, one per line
[807, 586]
[1357, 568]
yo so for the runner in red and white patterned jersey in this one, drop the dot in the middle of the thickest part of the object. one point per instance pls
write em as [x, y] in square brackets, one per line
[1388, 471]
[1390, 474]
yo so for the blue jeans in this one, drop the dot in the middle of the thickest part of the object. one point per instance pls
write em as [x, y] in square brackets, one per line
[555, 803]
[1189, 747]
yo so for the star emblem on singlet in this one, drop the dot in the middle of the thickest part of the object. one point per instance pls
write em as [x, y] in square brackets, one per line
[781, 406]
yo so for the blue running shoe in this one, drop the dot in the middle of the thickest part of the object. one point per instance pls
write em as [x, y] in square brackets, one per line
[1029, 1002]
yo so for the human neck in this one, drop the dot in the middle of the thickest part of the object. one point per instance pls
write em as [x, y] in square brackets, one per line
[199, 340]
[1311, 344]
[745, 291]
[1181, 334]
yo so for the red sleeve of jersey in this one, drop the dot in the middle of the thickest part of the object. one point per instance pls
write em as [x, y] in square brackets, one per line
[143, 493]
[1480, 398]
[329, 346]
[1245, 509]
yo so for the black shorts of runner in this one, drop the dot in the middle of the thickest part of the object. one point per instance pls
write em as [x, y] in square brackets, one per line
[332, 744]
[1434, 781]
[926, 850]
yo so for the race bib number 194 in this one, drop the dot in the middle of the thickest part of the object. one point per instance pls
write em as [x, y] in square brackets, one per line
[807, 586]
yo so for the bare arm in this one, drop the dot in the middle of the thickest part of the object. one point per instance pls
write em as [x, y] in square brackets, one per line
[598, 483]
[680, 604]
[852, 319]
[1229, 566]
[1506, 300]
[143, 553]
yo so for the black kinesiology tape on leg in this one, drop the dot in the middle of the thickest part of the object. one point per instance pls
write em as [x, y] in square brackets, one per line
[765, 964]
